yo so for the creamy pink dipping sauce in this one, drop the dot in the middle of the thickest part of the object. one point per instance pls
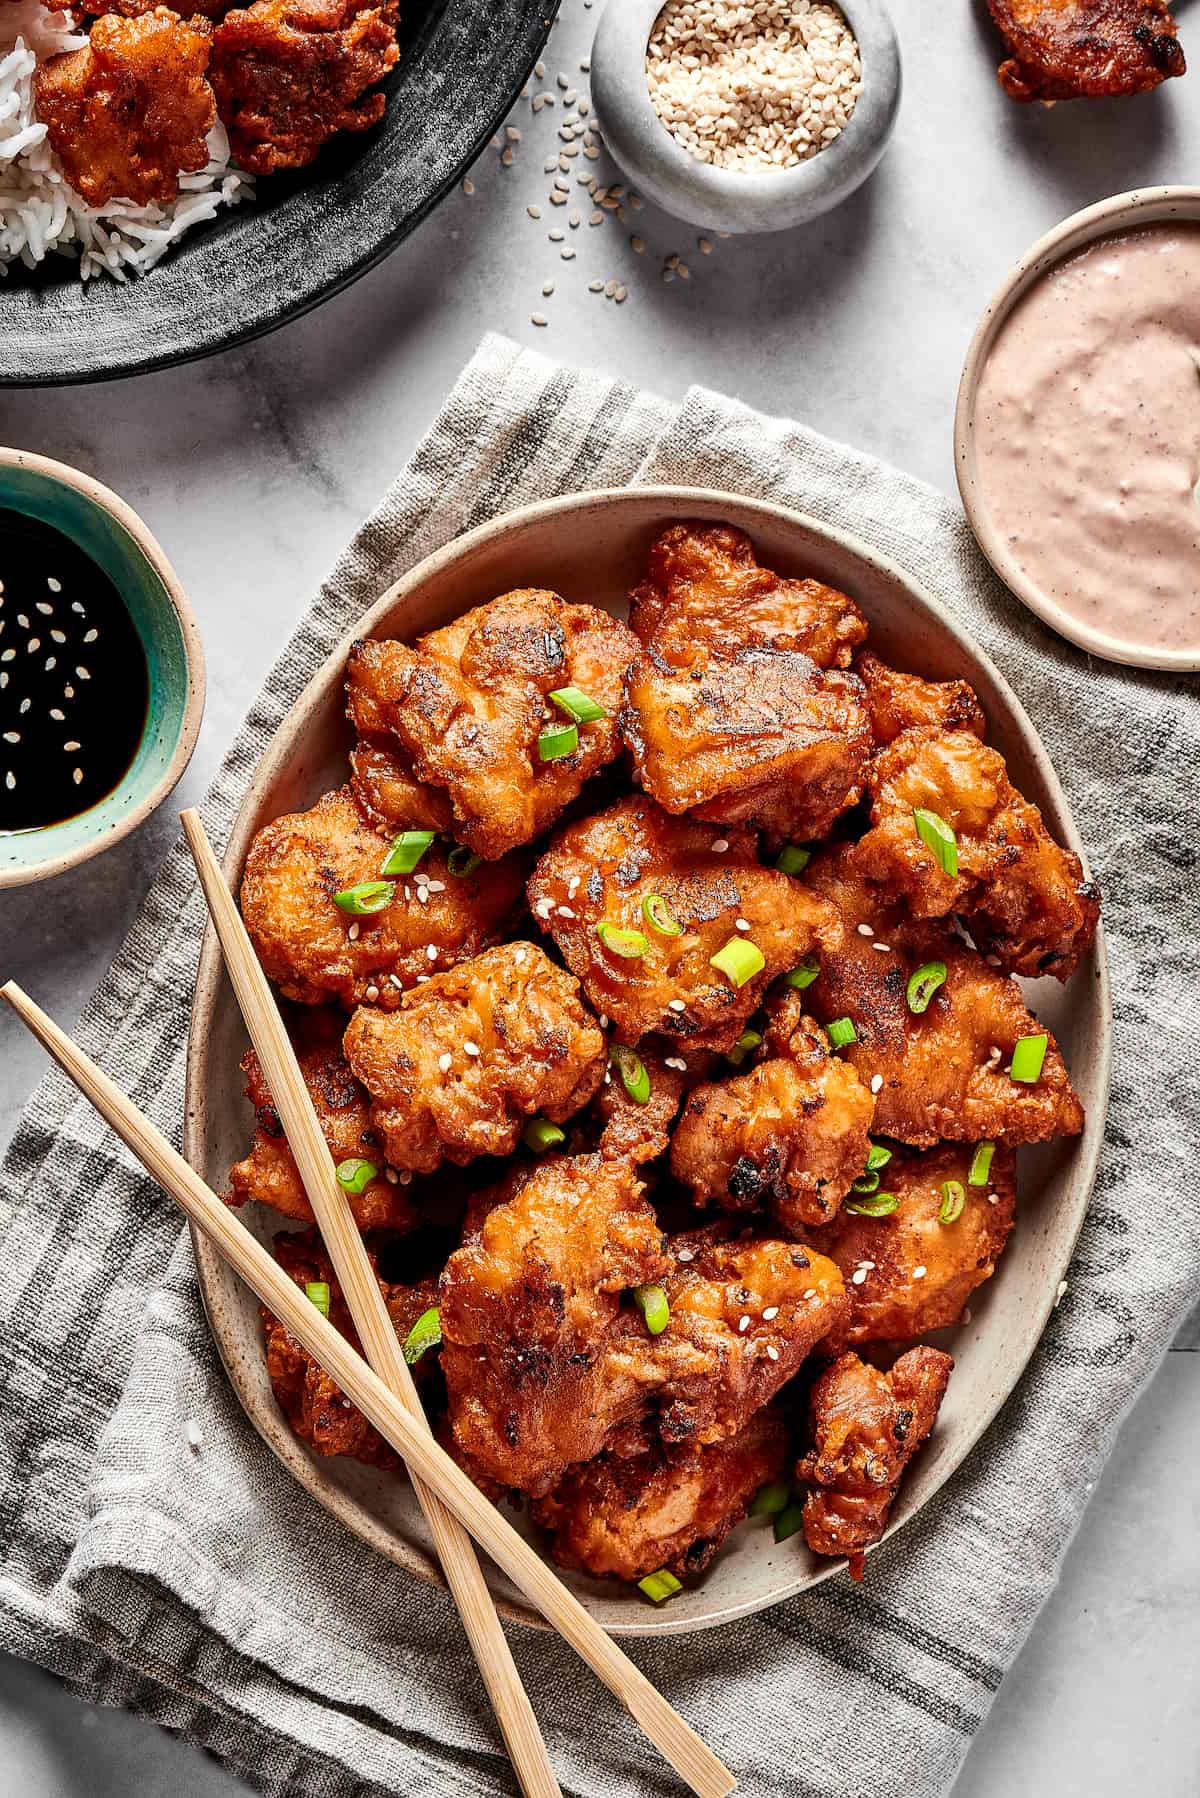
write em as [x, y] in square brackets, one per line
[1087, 436]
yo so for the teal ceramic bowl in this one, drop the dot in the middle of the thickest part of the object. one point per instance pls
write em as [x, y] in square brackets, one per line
[112, 534]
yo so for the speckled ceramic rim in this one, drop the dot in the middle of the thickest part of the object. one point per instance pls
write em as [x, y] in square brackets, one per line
[724, 199]
[114, 830]
[1058, 1193]
[1123, 212]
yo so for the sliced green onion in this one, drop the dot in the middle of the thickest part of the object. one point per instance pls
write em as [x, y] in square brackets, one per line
[540, 1134]
[462, 861]
[746, 1043]
[803, 974]
[788, 1522]
[877, 1156]
[660, 1586]
[426, 1333]
[630, 944]
[578, 705]
[868, 1182]
[651, 1301]
[792, 859]
[318, 1292]
[659, 915]
[770, 1500]
[1027, 1058]
[557, 741]
[981, 1164]
[740, 959]
[406, 851]
[937, 835]
[840, 1033]
[876, 1204]
[635, 1077]
[953, 1200]
[364, 900]
[356, 1174]
[924, 984]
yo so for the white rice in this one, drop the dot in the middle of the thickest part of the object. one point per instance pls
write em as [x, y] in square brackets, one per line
[40, 212]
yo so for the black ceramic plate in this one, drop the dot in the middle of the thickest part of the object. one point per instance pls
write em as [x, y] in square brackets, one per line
[462, 64]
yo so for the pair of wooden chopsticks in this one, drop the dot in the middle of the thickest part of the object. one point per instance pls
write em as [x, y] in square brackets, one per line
[383, 1390]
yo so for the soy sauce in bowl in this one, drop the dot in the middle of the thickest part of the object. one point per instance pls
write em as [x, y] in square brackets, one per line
[74, 684]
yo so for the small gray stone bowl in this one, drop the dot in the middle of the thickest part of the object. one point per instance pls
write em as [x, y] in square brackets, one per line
[725, 199]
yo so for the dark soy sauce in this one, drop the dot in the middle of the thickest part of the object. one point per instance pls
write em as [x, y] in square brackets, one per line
[74, 688]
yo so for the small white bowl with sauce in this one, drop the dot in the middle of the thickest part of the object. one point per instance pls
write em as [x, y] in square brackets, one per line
[1077, 431]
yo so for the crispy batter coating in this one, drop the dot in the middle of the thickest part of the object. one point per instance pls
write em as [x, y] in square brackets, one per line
[866, 1427]
[789, 1134]
[636, 1132]
[1076, 49]
[289, 74]
[269, 1174]
[704, 590]
[314, 1406]
[718, 1369]
[1026, 898]
[389, 793]
[315, 951]
[891, 1301]
[542, 1366]
[470, 701]
[131, 111]
[624, 1518]
[897, 701]
[943, 1073]
[601, 869]
[729, 712]
[763, 738]
[473, 1054]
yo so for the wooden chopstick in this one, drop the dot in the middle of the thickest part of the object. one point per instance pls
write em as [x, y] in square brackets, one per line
[675, 1740]
[360, 1288]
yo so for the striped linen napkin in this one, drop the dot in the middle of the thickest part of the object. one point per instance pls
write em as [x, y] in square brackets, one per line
[205, 1589]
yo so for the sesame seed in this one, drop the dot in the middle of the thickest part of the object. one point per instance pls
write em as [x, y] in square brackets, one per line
[352, 933]
[885, 947]
[685, 1254]
[770, 1312]
[876, 1082]
[859, 1276]
[431, 951]
[468, 185]
[603, 1020]
[34, 644]
[521, 957]
[61, 636]
[811, 1293]
[77, 776]
[372, 993]
[75, 605]
[23, 621]
[389, 1174]
[539, 69]
[547, 289]
[676, 1062]
[81, 672]
[704, 246]
[506, 156]
[71, 746]
[46, 610]
[676, 1004]
[444, 1061]
[396, 982]
[556, 236]
[743, 1324]
[720, 845]
[88, 636]
[404, 1177]
[543, 908]
[56, 586]
[920, 1272]
[470, 1048]
[567, 255]
[865, 930]
[621, 295]
[741, 924]
[24, 706]
[1058, 1297]
[535, 212]
[10, 780]
[772, 1352]
[512, 134]
[14, 736]
[192, 1435]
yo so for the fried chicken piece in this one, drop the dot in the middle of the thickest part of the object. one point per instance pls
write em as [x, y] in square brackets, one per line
[790, 1134]
[704, 590]
[624, 1518]
[473, 1054]
[131, 111]
[916, 1273]
[639, 1132]
[897, 701]
[601, 870]
[1076, 49]
[470, 701]
[133, 9]
[269, 1175]
[1026, 898]
[290, 74]
[315, 951]
[389, 793]
[744, 1315]
[866, 1428]
[312, 1403]
[943, 1073]
[729, 712]
[542, 1365]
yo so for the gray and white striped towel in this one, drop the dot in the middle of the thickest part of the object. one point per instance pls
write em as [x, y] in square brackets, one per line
[209, 1592]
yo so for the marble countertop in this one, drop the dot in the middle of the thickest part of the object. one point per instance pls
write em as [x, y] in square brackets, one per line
[254, 468]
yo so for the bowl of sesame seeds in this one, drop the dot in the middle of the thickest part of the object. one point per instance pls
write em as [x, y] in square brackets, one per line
[101, 670]
[747, 115]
